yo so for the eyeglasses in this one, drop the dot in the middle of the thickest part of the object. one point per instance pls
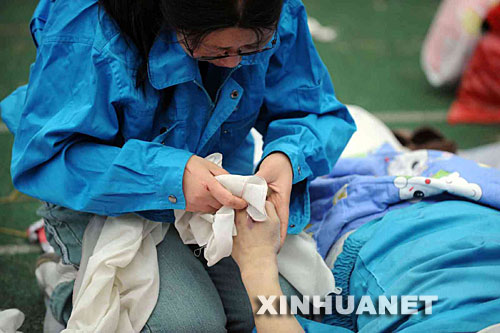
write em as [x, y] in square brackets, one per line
[238, 53]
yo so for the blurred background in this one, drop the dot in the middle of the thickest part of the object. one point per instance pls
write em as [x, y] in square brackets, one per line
[372, 49]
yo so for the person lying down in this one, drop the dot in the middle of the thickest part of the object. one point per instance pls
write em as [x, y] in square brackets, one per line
[429, 245]
[449, 250]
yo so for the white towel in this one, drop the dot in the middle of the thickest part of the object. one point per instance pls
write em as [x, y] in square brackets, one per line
[118, 284]
[215, 232]
[301, 265]
[11, 320]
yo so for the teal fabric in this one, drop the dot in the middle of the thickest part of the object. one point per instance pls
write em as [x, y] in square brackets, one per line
[450, 249]
[342, 270]
[88, 140]
[310, 326]
[61, 301]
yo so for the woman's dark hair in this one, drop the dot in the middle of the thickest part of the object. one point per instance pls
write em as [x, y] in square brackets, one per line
[142, 20]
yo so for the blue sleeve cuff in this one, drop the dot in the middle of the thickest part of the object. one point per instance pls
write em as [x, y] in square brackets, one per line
[171, 164]
[300, 210]
[300, 168]
[170, 190]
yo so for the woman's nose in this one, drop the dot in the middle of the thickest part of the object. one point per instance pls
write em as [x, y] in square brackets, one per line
[229, 62]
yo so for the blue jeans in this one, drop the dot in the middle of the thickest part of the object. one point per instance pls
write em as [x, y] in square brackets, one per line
[193, 297]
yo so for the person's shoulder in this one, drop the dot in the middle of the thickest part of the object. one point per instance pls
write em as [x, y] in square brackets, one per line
[80, 21]
[81, 33]
[293, 3]
[292, 7]
[292, 16]
[68, 21]
[291, 13]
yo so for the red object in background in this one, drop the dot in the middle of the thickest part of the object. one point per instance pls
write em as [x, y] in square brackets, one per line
[493, 19]
[36, 234]
[479, 94]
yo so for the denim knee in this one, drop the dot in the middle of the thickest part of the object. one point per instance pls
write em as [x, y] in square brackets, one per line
[246, 326]
[188, 322]
[65, 229]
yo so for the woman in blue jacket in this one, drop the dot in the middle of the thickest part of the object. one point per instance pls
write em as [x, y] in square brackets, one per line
[127, 97]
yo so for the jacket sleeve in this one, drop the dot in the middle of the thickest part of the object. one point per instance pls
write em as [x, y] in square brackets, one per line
[301, 116]
[66, 149]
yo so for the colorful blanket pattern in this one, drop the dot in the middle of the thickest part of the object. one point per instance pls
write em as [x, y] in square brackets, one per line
[361, 189]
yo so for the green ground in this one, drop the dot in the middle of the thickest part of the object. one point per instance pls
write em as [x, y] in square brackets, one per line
[374, 63]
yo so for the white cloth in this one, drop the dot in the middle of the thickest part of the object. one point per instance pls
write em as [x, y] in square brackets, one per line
[370, 135]
[491, 329]
[215, 232]
[118, 284]
[488, 154]
[11, 320]
[319, 32]
[301, 265]
[337, 249]
[49, 274]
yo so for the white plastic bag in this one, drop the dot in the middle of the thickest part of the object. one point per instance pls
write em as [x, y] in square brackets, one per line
[452, 37]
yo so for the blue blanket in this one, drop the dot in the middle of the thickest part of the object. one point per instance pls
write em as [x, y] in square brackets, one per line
[450, 249]
[359, 190]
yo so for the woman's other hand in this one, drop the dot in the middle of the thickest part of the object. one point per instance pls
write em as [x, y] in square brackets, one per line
[276, 169]
[203, 193]
[256, 242]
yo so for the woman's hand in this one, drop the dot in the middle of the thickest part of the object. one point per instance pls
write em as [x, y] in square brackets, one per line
[256, 241]
[276, 169]
[203, 193]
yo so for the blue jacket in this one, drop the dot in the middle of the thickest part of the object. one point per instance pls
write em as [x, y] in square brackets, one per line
[87, 139]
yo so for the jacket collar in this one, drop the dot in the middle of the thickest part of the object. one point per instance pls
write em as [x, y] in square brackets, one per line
[169, 64]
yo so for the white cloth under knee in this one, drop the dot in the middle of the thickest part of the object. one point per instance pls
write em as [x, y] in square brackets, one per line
[11, 320]
[118, 284]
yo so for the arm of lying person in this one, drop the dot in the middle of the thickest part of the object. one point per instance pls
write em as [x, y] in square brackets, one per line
[255, 251]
